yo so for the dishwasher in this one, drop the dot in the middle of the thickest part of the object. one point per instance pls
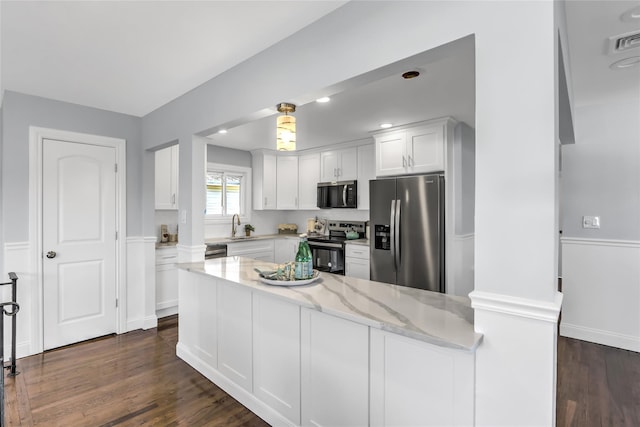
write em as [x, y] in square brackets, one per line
[216, 250]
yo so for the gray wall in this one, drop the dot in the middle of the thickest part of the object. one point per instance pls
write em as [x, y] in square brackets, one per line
[228, 156]
[1, 197]
[601, 172]
[21, 111]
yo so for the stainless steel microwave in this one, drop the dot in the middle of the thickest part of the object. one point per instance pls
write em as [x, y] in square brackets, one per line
[338, 194]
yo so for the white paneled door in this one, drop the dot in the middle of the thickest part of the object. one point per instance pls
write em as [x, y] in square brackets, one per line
[78, 241]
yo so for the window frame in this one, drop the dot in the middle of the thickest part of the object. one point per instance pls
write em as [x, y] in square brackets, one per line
[245, 201]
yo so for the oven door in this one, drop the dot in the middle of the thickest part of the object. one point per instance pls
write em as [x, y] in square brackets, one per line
[328, 257]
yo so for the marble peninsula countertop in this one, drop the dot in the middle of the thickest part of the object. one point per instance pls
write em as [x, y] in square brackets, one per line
[432, 317]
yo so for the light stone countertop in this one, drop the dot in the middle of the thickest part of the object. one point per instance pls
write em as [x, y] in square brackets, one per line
[436, 318]
[359, 242]
[241, 238]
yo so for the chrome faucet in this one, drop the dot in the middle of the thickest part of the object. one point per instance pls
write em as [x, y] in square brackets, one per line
[233, 224]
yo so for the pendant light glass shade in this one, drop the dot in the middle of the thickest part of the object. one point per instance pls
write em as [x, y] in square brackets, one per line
[286, 128]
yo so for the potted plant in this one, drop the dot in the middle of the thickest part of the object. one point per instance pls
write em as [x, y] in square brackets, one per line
[248, 228]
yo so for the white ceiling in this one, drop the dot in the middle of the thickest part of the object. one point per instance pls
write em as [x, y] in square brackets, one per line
[133, 57]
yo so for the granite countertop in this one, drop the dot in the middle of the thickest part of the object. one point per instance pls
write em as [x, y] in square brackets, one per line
[360, 242]
[432, 317]
[240, 237]
[164, 245]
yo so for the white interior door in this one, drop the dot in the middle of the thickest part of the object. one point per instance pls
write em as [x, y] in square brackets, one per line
[78, 241]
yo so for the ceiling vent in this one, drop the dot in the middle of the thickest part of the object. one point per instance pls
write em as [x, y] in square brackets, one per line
[624, 42]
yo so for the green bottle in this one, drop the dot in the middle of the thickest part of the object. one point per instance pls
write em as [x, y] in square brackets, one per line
[303, 261]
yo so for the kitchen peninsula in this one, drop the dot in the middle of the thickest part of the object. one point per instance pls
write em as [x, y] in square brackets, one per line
[341, 351]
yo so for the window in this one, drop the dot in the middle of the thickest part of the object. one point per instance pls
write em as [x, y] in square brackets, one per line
[228, 191]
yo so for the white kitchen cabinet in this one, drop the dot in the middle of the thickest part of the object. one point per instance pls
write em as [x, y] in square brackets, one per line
[419, 149]
[287, 182]
[339, 165]
[276, 355]
[285, 249]
[264, 171]
[407, 391]
[197, 329]
[262, 249]
[308, 178]
[166, 281]
[166, 181]
[366, 172]
[335, 371]
[235, 359]
[356, 261]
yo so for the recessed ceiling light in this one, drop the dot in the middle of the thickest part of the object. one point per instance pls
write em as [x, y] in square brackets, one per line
[631, 15]
[625, 63]
[323, 99]
[410, 74]
[386, 125]
[222, 131]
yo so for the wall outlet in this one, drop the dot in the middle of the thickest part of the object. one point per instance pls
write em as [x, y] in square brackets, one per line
[590, 222]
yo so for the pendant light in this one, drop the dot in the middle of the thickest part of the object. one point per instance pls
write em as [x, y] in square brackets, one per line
[286, 128]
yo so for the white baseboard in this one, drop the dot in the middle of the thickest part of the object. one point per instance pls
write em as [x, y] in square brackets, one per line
[167, 311]
[612, 339]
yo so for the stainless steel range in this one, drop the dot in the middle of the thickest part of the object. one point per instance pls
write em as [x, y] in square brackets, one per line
[328, 250]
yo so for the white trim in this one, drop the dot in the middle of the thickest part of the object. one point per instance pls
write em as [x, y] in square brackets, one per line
[600, 242]
[463, 237]
[190, 253]
[612, 339]
[169, 311]
[517, 306]
[36, 137]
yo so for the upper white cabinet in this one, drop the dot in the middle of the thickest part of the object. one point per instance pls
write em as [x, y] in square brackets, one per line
[264, 167]
[419, 149]
[366, 172]
[339, 165]
[287, 182]
[308, 178]
[167, 178]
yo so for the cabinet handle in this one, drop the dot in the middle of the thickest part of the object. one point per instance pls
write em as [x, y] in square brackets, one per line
[410, 161]
[173, 199]
[296, 204]
[404, 162]
[265, 202]
[335, 172]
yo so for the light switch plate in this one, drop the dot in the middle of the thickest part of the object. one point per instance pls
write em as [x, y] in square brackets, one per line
[590, 222]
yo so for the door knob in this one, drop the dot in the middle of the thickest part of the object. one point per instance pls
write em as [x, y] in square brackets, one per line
[51, 254]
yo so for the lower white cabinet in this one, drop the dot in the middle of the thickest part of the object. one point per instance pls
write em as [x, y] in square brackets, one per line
[166, 281]
[276, 355]
[261, 249]
[197, 327]
[418, 384]
[356, 261]
[335, 371]
[235, 359]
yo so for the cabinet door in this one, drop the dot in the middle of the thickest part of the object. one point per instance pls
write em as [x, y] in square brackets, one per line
[425, 148]
[308, 178]
[356, 267]
[276, 349]
[166, 286]
[166, 178]
[391, 156]
[335, 371]
[269, 182]
[287, 182]
[366, 172]
[285, 250]
[329, 166]
[234, 334]
[348, 164]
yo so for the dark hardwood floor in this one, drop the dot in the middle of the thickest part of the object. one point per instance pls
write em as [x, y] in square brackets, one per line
[597, 385]
[136, 379]
[126, 380]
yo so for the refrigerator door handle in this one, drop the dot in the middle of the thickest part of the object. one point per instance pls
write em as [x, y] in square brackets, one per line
[396, 243]
[344, 196]
[392, 234]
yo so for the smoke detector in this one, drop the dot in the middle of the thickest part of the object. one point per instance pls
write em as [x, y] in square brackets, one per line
[624, 42]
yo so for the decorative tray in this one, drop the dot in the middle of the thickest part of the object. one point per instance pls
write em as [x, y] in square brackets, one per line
[274, 282]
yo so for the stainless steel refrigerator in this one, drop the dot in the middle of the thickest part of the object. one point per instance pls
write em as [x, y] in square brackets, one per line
[407, 226]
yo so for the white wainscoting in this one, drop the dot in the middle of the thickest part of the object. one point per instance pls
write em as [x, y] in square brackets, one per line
[141, 283]
[460, 265]
[18, 259]
[601, 287]
[518, 352]
[193, 253]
